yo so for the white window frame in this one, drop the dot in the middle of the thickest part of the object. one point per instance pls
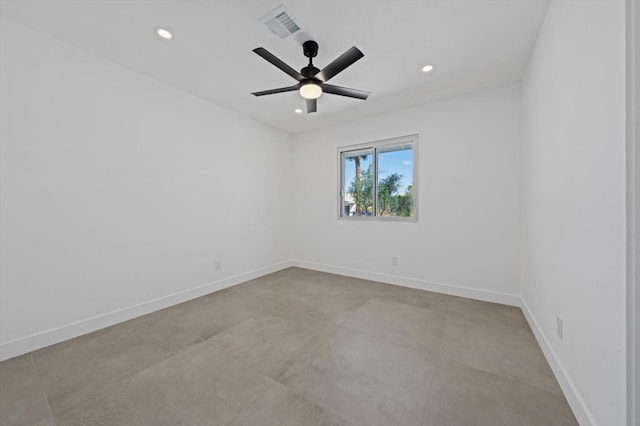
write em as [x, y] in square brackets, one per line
[374, 146]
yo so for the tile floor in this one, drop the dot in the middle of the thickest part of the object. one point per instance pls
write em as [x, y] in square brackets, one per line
[297, 347]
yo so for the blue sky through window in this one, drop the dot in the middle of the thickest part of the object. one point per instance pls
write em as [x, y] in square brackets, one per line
[400, 162]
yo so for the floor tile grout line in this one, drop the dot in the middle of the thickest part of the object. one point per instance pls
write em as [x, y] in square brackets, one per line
[44, 393]
[117, 382]
[416, 350]
[426, 403]
[183, 352]
[300, 364]
[180, 351]
[503, 377]
[514, 379]
[275, 383]
[328, 410]
[241, 361]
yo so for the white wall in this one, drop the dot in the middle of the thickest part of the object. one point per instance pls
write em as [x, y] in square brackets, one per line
[574, 202]
[633, 211]
[118, 190]
[467, 238]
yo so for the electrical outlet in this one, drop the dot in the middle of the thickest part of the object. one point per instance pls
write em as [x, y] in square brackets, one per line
[560, 327]
[218, 264]
[394, 261]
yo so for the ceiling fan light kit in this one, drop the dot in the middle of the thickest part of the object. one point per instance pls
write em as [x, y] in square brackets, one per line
[310, 91]
[312, 82]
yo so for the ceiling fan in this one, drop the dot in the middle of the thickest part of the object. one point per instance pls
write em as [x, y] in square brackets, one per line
[312, 82]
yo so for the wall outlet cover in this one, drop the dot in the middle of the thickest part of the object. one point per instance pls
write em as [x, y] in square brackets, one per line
[560, 327]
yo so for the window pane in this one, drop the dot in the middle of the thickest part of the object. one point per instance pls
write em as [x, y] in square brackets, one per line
[357, 183]
[377, 180]
[395, 181]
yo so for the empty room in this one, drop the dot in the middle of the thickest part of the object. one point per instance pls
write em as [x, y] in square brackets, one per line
[224, 212]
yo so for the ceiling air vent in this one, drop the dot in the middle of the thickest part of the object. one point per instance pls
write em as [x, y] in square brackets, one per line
[280, 23]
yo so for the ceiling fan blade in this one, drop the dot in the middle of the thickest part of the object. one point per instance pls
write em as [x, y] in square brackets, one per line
[345, 91]
[340, 63]
[261, 51]
[312, 105]
[279, 90]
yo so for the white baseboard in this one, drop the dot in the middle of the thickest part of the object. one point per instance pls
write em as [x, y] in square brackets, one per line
[49, 337]
[453, 290]
[577, 404]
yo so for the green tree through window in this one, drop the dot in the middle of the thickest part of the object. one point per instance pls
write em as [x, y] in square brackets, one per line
[360, 185]
[387, 195]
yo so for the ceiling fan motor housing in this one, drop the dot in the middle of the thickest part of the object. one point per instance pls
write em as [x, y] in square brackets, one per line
[309, 71]
[310, 48]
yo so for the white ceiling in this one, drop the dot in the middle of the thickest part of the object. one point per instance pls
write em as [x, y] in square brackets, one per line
[472, 43]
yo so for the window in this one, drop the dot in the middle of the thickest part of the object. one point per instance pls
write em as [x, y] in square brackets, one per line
[377, 180]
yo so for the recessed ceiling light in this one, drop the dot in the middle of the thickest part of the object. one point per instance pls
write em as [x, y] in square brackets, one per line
[298, 111]
[427, 68]
[164, 33]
